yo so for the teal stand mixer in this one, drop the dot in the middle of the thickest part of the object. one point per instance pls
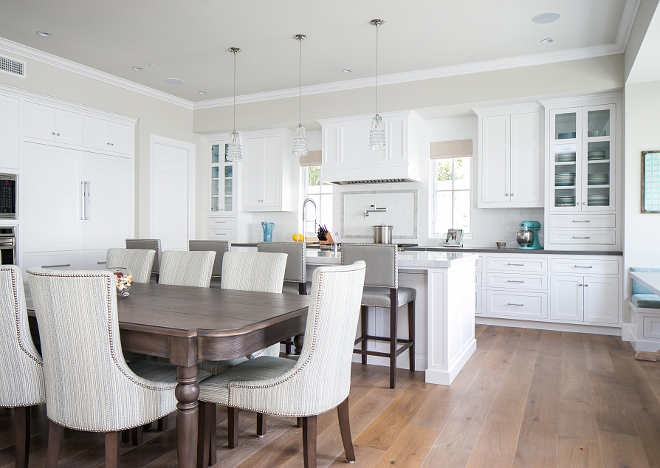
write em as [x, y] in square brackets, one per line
[528, 236]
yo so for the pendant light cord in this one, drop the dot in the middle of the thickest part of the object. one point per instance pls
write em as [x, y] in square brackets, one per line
[234, 90]
[377, 26]
[300, 82]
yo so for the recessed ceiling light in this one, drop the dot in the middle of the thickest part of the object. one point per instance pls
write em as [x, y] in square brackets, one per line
[545, 18]
[136, 68]
[173, 80]
[153, 64]
[201, 92]
[347, 70]
[43, 34]
[547, 40]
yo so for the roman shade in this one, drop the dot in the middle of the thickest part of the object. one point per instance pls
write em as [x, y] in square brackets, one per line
[451, 149]
[313, 158]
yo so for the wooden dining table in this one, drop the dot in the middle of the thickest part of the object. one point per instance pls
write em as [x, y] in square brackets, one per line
[189, 325]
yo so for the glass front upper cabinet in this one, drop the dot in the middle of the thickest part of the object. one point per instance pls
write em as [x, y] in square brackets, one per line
[222, 180]
[582, 164]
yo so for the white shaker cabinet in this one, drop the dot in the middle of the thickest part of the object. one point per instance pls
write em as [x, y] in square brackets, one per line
[510, 157]
[108, 136]
[9, 132]
[266, 171]
[51, 124]
[593, 299]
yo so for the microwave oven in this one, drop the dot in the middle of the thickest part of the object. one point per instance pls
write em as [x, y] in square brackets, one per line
[8, 191]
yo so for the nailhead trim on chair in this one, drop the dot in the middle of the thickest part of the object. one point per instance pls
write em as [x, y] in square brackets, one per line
[302, 261]
[16, 320]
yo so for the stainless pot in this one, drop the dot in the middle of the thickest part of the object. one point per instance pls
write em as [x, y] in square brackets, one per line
[382, 234]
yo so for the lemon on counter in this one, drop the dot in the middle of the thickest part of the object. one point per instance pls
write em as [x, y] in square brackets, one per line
[297, 237]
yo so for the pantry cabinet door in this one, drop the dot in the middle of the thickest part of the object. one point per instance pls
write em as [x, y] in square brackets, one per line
[68, 127]
[109, 210]
[253, 170]
[566, 298]
[39, 121]
[601, 300]
[121, 138]
[97, 133]
[526, 160]
[51, 194]
[495, 161]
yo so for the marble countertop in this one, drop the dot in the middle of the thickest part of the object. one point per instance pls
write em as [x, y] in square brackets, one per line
[406, 259]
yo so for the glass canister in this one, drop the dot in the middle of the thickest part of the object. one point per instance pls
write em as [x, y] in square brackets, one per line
[123, 280]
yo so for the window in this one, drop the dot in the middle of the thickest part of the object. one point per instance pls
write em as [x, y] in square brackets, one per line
[452, 195]
[322, 196]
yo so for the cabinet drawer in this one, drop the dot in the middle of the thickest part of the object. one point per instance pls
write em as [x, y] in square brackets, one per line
[582, 221]
[222, 223]
[652, 327]
[526, 282]
[222, 234]
[517, 305]
[52, 260]
[532, 265]
[477, 279]
[586, 266]
[583, 237]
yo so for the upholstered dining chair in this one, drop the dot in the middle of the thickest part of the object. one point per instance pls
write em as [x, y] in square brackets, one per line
[217, 246]
[187, 268]
[89, 386]
[22, 370]
[317, 382]
[138, 261]
[382, 291]
[295, 281]
[148, 244]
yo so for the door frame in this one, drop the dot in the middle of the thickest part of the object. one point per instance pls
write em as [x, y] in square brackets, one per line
[191, 148]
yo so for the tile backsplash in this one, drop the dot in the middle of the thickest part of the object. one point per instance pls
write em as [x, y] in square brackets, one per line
[402, 213]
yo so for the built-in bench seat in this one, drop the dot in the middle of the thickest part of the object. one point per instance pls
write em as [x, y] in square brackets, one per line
[645, 316]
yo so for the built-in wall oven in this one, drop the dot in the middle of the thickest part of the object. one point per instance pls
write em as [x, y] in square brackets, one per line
[8, 196]
[7, 245]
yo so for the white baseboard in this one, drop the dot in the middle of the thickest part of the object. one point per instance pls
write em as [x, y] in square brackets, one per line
[568, 327]
[441, 377]
[625, 331]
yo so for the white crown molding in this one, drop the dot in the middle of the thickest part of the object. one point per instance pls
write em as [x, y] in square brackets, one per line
[626, 24]
[49, 59]
[510, 109]
[575, 101]
[432, 73]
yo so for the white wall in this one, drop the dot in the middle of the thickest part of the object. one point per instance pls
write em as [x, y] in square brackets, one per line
[641, 247]
[154, 117]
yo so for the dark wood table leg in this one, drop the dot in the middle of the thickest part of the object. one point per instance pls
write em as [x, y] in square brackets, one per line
[298, 341]
[187, 392]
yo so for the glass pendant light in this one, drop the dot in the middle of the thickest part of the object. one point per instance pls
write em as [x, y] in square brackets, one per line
[234, 147]
[300, 140]
[377, 133]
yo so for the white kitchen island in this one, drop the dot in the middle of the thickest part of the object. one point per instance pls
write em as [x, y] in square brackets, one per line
[445, 308]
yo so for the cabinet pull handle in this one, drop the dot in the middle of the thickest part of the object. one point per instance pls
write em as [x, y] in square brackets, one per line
[582, 266]
[517, 305]
[516, 264]
[514, 281]
[100, 263]
[581, 221]
[220, 233]
[56, 266]
[581, 237]
[82, 200]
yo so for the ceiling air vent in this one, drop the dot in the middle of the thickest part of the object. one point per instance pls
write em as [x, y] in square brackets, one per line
[371, 181]
[12, 67]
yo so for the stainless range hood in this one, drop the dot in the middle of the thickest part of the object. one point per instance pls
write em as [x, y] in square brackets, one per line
[347, 159]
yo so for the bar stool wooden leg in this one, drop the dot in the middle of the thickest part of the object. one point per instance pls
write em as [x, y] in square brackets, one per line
[411, 333]
[365, 313]
[394, 312]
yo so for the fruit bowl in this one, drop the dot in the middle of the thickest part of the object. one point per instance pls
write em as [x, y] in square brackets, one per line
[123, 280]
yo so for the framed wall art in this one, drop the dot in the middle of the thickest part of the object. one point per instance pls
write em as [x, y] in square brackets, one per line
[650, 181]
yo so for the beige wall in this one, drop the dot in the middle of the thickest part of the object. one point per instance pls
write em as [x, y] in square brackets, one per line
[642, 231]
[527, 84]
[642, 21]
[154, 117]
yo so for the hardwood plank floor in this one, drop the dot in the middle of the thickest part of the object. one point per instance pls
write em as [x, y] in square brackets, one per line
[525, 398]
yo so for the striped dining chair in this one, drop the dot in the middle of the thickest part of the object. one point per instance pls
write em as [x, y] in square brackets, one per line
[22, 370]
[89, 386]
[186, 268]
[318, 381]
[138, 261]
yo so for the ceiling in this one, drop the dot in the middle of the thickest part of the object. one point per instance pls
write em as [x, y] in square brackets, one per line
[189, 39]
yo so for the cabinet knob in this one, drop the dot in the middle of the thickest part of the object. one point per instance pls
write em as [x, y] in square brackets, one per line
[512, 194]
[580, 284]
[506, 194]
[53, 133]
[584, 203]
[585, 284]
[57, 134]
[112, 144]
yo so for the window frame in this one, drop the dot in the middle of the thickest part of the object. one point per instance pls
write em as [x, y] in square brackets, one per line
[435, 190]
[321, 196]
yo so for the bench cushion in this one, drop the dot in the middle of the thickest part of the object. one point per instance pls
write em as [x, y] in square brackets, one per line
[646, 301]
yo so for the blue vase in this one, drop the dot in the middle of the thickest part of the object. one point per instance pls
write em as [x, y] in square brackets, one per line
[268, 231]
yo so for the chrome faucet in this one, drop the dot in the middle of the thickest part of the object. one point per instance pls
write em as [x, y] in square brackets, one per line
[303, 216]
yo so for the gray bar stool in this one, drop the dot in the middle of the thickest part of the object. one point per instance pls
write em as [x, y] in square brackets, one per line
[217, 246]
[294, 277]
[148, 244]
[381, 289]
